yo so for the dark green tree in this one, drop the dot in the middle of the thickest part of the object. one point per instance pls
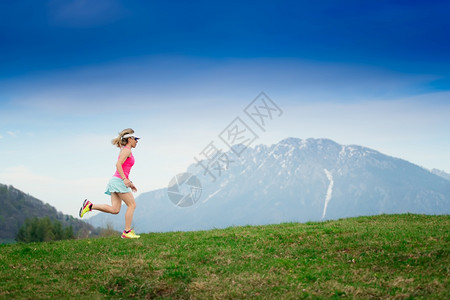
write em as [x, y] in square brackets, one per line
[43, 230]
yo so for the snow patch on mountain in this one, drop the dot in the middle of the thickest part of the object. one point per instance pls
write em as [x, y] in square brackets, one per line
[329, 191]
[211, 195]
[441, 173]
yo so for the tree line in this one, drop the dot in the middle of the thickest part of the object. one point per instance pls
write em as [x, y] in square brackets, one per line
[43, 230]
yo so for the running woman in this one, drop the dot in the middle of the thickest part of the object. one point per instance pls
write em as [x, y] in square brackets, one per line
[120, 186]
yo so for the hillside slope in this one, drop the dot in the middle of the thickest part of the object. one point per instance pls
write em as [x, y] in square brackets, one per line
[387, 256]
[16, 206]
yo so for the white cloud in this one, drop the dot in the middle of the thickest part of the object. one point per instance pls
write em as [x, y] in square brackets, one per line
[152, 82]
[12, 133]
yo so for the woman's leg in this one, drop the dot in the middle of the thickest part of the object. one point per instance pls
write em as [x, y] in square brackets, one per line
[114, 208]
[128, 198]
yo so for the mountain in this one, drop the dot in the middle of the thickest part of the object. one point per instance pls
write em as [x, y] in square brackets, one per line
[18, 206]
[295, 180]
[441, 173]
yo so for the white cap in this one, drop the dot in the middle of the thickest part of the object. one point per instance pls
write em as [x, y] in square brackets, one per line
[128, 135]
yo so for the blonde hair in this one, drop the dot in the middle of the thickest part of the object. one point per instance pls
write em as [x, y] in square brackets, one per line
[119, 141]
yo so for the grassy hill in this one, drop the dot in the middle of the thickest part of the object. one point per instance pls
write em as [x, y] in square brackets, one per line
[387, 256]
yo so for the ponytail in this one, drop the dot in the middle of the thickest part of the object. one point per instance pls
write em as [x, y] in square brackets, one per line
[119, 141]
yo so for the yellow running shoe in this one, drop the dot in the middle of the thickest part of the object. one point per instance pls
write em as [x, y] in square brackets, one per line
[130, 235]
[86, 207]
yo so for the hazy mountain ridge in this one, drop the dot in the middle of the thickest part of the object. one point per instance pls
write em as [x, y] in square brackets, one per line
[295, 180]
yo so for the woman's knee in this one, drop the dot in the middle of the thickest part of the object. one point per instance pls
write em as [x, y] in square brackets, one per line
[129, 200]
[115, 210]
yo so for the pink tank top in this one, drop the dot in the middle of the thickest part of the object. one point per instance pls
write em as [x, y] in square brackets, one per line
[126, 166]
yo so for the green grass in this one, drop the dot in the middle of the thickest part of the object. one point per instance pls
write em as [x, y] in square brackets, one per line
[388, 256]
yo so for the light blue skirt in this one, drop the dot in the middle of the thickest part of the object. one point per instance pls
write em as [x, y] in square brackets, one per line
[116, 185]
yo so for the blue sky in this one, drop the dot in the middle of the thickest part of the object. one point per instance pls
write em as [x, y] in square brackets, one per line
[74, 73]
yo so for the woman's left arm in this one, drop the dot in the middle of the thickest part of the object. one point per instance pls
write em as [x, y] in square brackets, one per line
[133, 187]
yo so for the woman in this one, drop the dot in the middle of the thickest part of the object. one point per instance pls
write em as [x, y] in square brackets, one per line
[120, 186]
